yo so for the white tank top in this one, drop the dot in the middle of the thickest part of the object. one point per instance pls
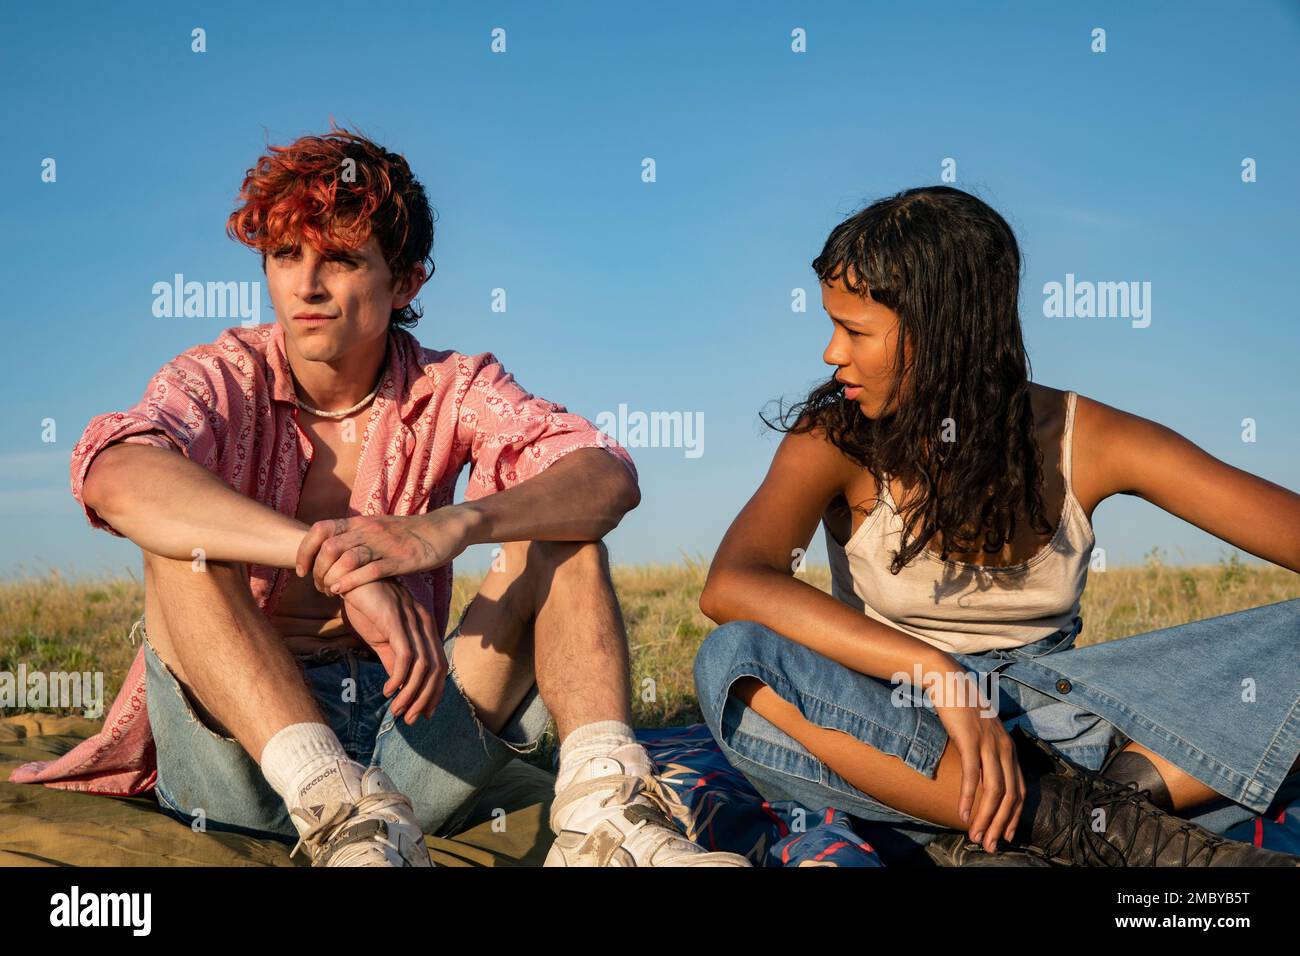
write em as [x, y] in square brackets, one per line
[965, 608]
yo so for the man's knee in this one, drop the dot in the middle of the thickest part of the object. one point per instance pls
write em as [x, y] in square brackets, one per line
[523, 578]
[228, 577]
[570, 555]
[197, 564]
[541, 562]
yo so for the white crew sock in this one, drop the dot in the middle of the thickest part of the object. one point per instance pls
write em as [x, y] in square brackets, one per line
[599, 739]
[308, 767]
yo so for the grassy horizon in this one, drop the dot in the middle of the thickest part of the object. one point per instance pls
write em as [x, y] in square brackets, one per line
[52, 624]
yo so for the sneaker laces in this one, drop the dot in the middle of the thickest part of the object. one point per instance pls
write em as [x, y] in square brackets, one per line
[627, 788]
[1086, 793]
[321, 833]
[660, 811]
[653, 810]
[639, 799]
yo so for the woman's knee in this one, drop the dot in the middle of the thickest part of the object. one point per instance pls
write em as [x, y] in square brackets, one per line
[725, 652]
[746, 689]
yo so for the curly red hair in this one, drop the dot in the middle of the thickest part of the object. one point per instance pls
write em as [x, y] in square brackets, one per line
[310, 190]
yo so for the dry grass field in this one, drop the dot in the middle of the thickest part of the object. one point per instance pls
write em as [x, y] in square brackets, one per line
[52, 624]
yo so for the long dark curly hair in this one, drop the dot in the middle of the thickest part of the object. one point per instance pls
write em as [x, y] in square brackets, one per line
[949, 266]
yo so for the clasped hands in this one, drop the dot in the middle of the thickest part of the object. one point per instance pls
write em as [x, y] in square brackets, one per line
[359, 559]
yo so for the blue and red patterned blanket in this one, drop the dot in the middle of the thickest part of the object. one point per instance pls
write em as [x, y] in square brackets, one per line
[720, 809]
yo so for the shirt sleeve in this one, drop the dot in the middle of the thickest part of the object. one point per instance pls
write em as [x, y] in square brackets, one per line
[514, 435]
[176, 412]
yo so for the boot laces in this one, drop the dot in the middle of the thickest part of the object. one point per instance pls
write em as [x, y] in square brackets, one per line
[1087, 792]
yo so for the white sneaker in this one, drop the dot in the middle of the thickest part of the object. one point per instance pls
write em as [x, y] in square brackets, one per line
[615, 813]
[375, 827]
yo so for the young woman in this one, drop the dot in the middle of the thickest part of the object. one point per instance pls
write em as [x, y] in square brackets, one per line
[957, 497]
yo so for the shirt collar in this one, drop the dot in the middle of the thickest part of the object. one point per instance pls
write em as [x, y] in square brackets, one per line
[404, 377]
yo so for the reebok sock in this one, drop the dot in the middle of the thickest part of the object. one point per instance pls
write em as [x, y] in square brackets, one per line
[308, 767]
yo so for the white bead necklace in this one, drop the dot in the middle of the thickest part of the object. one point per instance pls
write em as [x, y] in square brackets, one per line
[346, 412]
[355, 408]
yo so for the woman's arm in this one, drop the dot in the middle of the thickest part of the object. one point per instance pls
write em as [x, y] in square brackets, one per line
[1134, 456]
[752, 577]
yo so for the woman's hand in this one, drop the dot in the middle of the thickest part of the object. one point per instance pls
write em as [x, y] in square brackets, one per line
[988, 755]
[403, 634]
[344, 553]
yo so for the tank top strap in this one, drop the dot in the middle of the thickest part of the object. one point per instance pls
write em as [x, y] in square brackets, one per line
[1067, 454]
[1067, 442]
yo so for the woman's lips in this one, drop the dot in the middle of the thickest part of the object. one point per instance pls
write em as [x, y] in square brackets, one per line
[851, 391]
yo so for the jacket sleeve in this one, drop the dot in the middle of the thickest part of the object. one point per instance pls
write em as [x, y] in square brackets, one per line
[514, 435]
[176, 412]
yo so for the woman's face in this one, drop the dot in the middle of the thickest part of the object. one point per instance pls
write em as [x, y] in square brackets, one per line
[863, 347]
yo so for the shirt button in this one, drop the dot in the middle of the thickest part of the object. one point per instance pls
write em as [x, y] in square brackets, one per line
[1063, 686]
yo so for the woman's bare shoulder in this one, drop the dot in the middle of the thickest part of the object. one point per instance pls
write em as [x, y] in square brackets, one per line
[1097, 427]
[811, 442]
[808, 456]
[825, 470]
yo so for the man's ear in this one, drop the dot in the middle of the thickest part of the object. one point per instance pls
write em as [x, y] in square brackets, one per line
[409, 287]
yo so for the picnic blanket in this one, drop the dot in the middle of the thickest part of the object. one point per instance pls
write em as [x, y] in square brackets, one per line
[719, 808]
[712, 802]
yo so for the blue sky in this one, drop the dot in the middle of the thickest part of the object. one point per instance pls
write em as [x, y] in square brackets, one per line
[673, 295]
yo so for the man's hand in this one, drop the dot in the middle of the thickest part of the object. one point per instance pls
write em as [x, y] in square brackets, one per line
[344, 553]
[403, 634]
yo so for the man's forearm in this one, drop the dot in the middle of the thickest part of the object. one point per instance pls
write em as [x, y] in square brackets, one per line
[582, 497]
[171, 506]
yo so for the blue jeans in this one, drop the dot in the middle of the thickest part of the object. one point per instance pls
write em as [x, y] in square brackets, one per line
[1218, 698]
[441, 763]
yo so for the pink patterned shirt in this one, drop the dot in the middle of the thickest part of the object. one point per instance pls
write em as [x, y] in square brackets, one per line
[229, 406]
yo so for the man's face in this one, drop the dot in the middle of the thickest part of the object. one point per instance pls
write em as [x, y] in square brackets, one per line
[863, 347]
[352, 289]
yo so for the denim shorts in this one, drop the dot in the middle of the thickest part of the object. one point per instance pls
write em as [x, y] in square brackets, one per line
[441, 763]
[1218, 698]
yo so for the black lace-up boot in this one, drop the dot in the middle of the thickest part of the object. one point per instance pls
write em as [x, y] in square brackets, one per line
[957, 849]
[1080, 818]
[1129, 766]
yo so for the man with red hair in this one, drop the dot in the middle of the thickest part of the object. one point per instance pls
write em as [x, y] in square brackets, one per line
[313, 703]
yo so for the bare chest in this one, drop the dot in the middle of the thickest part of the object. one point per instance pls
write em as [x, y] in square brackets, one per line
[327, 489]
[303, 615]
